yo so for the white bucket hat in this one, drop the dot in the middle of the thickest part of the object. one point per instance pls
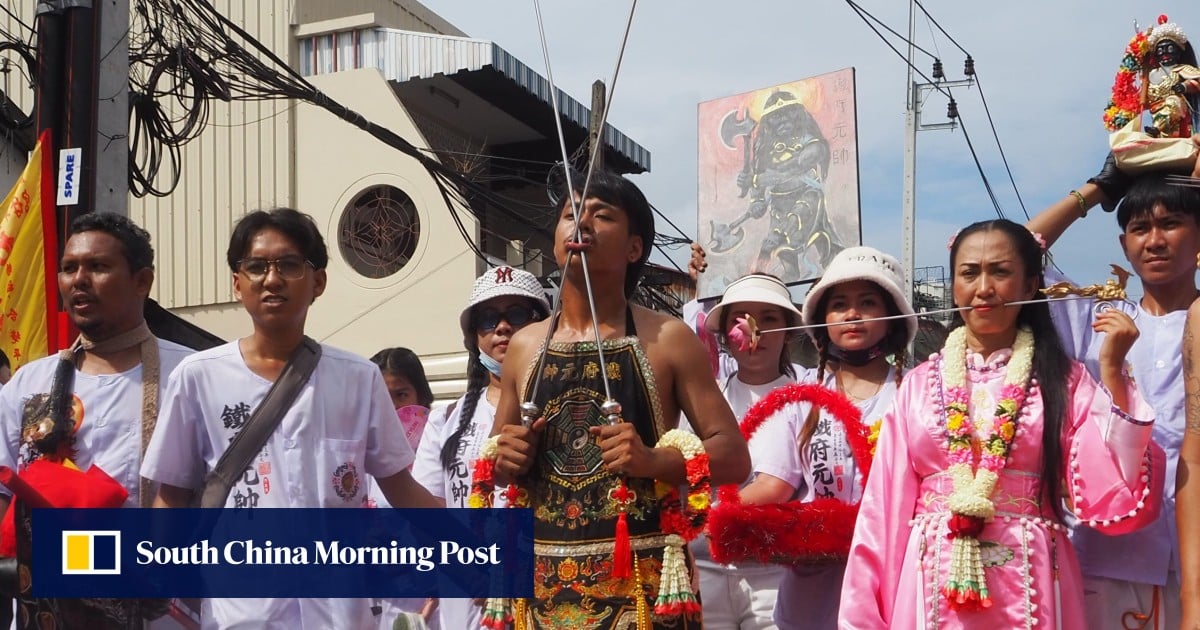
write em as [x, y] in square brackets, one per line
[862, 263]
[503, 281]
[753, 288]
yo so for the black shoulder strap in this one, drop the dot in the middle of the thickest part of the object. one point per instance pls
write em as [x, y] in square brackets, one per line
[262, 423]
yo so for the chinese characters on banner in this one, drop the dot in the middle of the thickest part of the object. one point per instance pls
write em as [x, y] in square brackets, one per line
[24, 293]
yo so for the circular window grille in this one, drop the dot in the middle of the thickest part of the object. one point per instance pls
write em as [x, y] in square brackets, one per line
[378, 232]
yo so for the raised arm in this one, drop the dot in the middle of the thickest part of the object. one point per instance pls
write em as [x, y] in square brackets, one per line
[1187, 478]
[1107, 188]
[706, 409]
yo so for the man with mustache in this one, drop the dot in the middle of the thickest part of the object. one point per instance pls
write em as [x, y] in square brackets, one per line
[121, 369]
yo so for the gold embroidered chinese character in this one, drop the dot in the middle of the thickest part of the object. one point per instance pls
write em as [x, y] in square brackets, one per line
[568, 372]
[591, 369]
[614, 371]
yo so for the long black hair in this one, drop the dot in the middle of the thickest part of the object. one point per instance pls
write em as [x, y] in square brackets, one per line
[1051, 365]
[477, 381]
[404, 362]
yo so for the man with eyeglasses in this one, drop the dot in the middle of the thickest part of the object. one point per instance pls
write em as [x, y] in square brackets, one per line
[105, 274]
[340, 427]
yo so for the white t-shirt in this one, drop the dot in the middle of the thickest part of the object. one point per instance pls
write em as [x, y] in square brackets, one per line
[826, 468]
[809, 595]
[454, 485]
[110, 430]
[741, 397]
[341, 427]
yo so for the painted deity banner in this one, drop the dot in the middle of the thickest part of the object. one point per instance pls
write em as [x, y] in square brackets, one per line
[778, 180]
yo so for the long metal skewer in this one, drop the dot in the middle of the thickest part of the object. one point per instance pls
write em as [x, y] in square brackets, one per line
[610, 408]
[1183, 180]
[921, 314]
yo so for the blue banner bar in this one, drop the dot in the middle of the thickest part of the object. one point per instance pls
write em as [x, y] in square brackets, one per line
[282, 553]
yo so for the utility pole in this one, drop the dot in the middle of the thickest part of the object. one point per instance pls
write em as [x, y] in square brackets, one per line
[917, 92]
[595, 133]
[910, 163]
[81, 95]
[83, 53]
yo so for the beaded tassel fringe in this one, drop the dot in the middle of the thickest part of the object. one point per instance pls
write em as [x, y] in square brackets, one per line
[642, 607]
[966, 586]
[520, 614]
[675, 595]
[497, 613]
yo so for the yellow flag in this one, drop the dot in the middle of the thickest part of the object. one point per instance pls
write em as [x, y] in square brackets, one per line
[24, 294]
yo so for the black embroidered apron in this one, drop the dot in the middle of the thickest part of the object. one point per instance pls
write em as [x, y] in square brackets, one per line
[574, 516]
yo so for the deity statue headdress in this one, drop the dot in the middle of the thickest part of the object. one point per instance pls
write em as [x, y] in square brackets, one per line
[1165, 30]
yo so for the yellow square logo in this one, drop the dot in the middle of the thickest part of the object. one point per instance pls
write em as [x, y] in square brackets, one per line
[91, 552]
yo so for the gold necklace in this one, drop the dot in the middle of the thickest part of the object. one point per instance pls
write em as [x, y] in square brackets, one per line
[837, 377]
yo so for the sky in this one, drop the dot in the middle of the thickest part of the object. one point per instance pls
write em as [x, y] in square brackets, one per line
[1046, 69]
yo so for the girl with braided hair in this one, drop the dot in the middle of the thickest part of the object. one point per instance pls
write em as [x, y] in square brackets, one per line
[806, 454]
[503, 301]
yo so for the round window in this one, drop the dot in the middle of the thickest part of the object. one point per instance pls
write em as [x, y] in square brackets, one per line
[378, 231]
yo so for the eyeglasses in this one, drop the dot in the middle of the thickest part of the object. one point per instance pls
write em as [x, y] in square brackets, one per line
[288, 267]
[516, 315]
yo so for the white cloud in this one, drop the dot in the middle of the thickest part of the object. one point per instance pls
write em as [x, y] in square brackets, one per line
[1046, 68]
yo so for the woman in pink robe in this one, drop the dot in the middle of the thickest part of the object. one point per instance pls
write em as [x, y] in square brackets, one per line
[1095, 437]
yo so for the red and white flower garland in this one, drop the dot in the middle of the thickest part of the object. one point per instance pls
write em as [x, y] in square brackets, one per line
[970, 503]
[795, 532]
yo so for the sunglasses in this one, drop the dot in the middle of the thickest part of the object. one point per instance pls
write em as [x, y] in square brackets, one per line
[516, 315]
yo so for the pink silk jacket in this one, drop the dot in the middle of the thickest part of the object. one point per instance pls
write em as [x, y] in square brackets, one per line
[1112, 475]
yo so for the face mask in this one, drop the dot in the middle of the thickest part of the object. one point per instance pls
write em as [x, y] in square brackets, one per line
[491, 364]
[857, 358]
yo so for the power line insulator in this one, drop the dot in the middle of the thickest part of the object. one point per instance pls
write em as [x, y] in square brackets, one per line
[969, 66]
[952, 109]
[938, 74]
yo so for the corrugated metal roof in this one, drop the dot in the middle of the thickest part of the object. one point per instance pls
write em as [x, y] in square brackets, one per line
[403, 55]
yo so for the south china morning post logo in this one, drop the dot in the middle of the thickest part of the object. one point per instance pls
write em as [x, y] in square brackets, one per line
[91, 552]
[137, 553]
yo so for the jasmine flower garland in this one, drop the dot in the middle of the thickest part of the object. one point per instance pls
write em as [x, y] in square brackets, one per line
[970, 503]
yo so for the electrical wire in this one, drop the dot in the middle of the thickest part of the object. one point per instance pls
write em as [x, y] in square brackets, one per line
[940, 88]
[999, 146]
[185, 55]
[16, 19]
[939, 26]
[864, 15]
